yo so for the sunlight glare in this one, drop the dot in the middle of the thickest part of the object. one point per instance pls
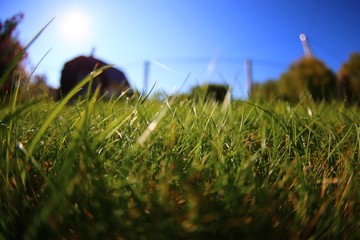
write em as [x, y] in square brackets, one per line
[75, 26]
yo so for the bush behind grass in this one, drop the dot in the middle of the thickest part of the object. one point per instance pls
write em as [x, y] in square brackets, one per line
[184, 169]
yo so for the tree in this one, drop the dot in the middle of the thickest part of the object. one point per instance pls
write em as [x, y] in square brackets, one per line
[308, 75]
[11, 53]
[38, 88]
[349, 78]
[267, 91]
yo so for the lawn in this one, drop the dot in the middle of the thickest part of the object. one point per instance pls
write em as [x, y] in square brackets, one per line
[179, 169]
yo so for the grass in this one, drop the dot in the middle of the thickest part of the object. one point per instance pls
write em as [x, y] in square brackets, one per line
[134, 169]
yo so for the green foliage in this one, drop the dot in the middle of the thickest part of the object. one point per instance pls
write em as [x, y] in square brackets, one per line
[308, 75]
[10, 49]
[349, 77]
[38, 88]
[79, 171]
[11, 56]
[266, 91]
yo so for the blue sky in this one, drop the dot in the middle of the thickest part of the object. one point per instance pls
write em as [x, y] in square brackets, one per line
[181, 37]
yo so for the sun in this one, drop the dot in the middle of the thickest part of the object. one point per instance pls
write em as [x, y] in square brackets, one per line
[75, 26]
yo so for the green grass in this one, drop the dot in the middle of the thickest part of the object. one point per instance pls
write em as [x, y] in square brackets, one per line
[133, 169]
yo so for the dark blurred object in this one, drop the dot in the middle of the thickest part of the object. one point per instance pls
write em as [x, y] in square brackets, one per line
[112, 81]
[209, 92]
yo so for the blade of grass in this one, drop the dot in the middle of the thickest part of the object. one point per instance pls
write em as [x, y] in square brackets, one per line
[59, 107]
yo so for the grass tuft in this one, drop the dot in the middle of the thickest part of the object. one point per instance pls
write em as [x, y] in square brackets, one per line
[96, 169]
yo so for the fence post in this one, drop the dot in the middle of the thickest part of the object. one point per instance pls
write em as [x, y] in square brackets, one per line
[248, 72]
[146, 75]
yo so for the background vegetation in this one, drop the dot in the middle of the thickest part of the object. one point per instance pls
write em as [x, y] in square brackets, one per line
[312, 78]
[13, 71]
[11, 54]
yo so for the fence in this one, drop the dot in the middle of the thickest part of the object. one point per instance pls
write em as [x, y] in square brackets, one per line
[181, 74]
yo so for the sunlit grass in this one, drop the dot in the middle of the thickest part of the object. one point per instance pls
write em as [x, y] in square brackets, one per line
[93, 169]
